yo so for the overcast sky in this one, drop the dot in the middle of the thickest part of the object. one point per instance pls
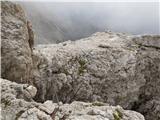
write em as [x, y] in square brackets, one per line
[89, 0]
[80, 17]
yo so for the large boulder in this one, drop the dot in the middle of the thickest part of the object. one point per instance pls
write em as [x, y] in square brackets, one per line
[109, 67]
[16, 52]
[16, 99]
[16, 104]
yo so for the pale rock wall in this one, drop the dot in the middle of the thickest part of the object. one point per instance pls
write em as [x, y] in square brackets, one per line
[109, 67]
[16, 55]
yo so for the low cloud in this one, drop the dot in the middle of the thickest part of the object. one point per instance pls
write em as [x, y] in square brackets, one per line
[78, 20]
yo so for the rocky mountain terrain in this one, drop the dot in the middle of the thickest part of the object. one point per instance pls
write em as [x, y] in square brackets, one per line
[94, 78]
[17, 104]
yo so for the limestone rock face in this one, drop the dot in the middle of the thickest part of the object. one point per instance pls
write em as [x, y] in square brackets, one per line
[148, 66]
[16, 99]
[94, 111]
[15, 51]
[109, 67]
[13, 90]
[15, 107]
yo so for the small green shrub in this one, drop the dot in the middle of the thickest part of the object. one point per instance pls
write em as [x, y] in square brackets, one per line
[19, 114]
[98, 104]
[82, 62]
[82, 67]
[6, 102]
[120, 114]
[117, 115]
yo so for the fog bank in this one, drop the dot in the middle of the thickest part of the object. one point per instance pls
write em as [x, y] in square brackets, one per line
[57, 22]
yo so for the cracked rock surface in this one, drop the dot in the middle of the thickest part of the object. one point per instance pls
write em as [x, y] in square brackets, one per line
[115, 68]
[15, 107]
[15, 51]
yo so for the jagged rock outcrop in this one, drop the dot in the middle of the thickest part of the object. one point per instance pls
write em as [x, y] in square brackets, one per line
[16, 53]
[15, 106]
[108, 67]
[148, 62]
[16, 99]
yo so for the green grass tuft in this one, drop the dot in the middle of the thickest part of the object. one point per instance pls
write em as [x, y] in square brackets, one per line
[82, 67]
[19, 114]
[98, 104]
[117, 115]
